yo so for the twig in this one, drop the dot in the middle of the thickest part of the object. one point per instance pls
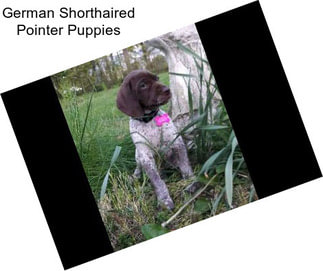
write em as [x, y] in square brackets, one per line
[164, 224]
[243, 175]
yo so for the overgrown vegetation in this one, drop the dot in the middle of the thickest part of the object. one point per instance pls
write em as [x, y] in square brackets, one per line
[108, 71]
[129, 207]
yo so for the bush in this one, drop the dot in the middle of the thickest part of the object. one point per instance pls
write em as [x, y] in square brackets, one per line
[157, 65]
[99, 88]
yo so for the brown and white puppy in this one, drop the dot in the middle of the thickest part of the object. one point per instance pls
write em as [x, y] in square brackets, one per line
[151, 129]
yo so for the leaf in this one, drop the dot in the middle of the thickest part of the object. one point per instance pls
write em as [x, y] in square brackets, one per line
[217, 201]
[114, 158]
[238, 167]
[152, 230]
[192, 123]
[202, 205]
[115, 155]
[252, 193]
[228, 180]
[232, 135]
[228, 173]
[198, 66]
[188, 126]
[190, 52]
[220, 168]
[190, 97]
[213, 127]
[209, 97]
[182, 74]
[209, 162]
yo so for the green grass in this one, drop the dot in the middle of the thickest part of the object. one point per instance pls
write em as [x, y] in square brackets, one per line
[106, 128]
[129, 207]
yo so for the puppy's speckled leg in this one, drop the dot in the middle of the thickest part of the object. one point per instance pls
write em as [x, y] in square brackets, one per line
[147, 161]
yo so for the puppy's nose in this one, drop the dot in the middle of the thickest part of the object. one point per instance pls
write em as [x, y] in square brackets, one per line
[166, 90]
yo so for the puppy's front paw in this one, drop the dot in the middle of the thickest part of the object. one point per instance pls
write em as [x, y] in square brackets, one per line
[167, 203]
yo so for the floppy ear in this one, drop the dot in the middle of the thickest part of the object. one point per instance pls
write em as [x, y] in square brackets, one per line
[127, 101]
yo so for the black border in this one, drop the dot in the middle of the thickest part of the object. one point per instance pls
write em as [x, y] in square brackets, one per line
[258, 99]
[259, 102]
[57, 173]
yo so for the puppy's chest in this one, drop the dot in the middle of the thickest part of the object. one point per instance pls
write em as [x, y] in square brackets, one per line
[151, 133]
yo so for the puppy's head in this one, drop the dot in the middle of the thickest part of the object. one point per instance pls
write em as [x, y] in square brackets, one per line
[141, 91]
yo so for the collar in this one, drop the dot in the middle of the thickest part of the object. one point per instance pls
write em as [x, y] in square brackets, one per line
[147, 117]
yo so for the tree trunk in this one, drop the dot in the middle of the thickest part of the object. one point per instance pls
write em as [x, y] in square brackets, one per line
[145, 54]
[127, 59]
[96, 72]
[181, 62]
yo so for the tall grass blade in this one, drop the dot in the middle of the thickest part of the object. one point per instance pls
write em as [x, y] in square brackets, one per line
[238, 167]
[209, 162]
[228, 173]
[213, 127]
[188, 126]
[190, 52]
[209, 98]
[190, 97]
[85, 121]
[232, 136]
[198, 66]
[182, 74]
[114, 158]
[252, 193]
[216, 202]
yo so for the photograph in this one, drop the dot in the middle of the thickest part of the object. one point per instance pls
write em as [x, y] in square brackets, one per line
[180, 137]
[154, 137]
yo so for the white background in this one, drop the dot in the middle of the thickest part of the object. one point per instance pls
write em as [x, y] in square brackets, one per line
[281, 232]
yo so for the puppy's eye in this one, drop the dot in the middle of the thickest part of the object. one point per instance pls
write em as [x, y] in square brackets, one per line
[142, 85]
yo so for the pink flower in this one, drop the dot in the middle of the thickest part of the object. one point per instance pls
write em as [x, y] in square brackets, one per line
[161, 119]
